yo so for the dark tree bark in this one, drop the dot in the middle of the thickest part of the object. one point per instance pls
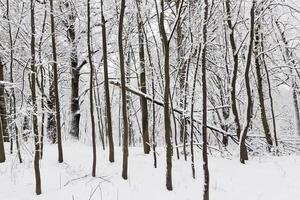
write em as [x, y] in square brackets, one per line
[91, 87]
[106, 85]
[143, 80]
[235, 58]
[3, 111]
[38, 189]
[153, 123]
[243, 148]
[2, 150]
[270, 95]
[258, 65]
[192, 112]
[54, 67]
[51, 122]
[167, 122]
[123, 88]
[75, 73]
[204, 104]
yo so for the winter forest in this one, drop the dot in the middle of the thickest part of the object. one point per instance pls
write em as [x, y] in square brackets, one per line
[149, 99]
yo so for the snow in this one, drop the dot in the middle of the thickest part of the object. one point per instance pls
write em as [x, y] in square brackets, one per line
[262, 178]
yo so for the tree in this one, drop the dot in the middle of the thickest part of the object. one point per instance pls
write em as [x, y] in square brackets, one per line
[123, 91]
[243, 148]
[167, 122]
[235, 58]
[75, 70]
[143, 80]
[3, 111]
[204, 103]
[106, 85]
[2, 150]
[38, 189]
[91, 87]
[258, 65]
[54, 67]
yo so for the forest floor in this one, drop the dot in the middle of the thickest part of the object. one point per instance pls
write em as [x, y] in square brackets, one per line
[262, 178]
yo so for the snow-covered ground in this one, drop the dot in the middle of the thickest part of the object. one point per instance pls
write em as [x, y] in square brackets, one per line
[263, 178]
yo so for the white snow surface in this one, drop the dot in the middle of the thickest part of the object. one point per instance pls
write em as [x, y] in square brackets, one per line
[262, 178]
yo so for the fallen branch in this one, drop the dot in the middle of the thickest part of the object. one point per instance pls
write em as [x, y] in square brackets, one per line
[160, 103]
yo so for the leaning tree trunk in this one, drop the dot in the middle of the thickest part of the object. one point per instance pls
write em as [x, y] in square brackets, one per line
[144, 107]
[243, 148]
[38, 189]
[270, 93]
[204, 105]
[55, 74]
[167, 122]
[91, 88]
[258, 65]
[192, 112]
[106, 85]
[123, 88]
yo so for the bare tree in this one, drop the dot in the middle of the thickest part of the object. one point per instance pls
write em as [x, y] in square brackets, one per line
[54, 67]
[3, 111]
[243, 148]
[204, 103]
[106, 85]
[143, 80]
[123, 88]
[167, 122]
[38, 189]
[258, 65]
[91, 87]
[2, 150]
[235, 58]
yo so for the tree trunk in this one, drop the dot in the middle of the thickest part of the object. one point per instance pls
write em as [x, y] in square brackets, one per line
[270, 95]
[182, 78]
[243, 148]
[167, 122]
[123, 88]
[143, 80]
[54, 67]
[75, 73]
[106, 85]
[204, 105]
[91, 88]
[42, 82]
[38, 189]
[51, 124]
[235, 58]
[2, 150]
[192, 113]
[258, 64]
[3, 112]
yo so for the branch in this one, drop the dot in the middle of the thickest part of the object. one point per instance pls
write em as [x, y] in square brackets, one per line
[160, 103]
